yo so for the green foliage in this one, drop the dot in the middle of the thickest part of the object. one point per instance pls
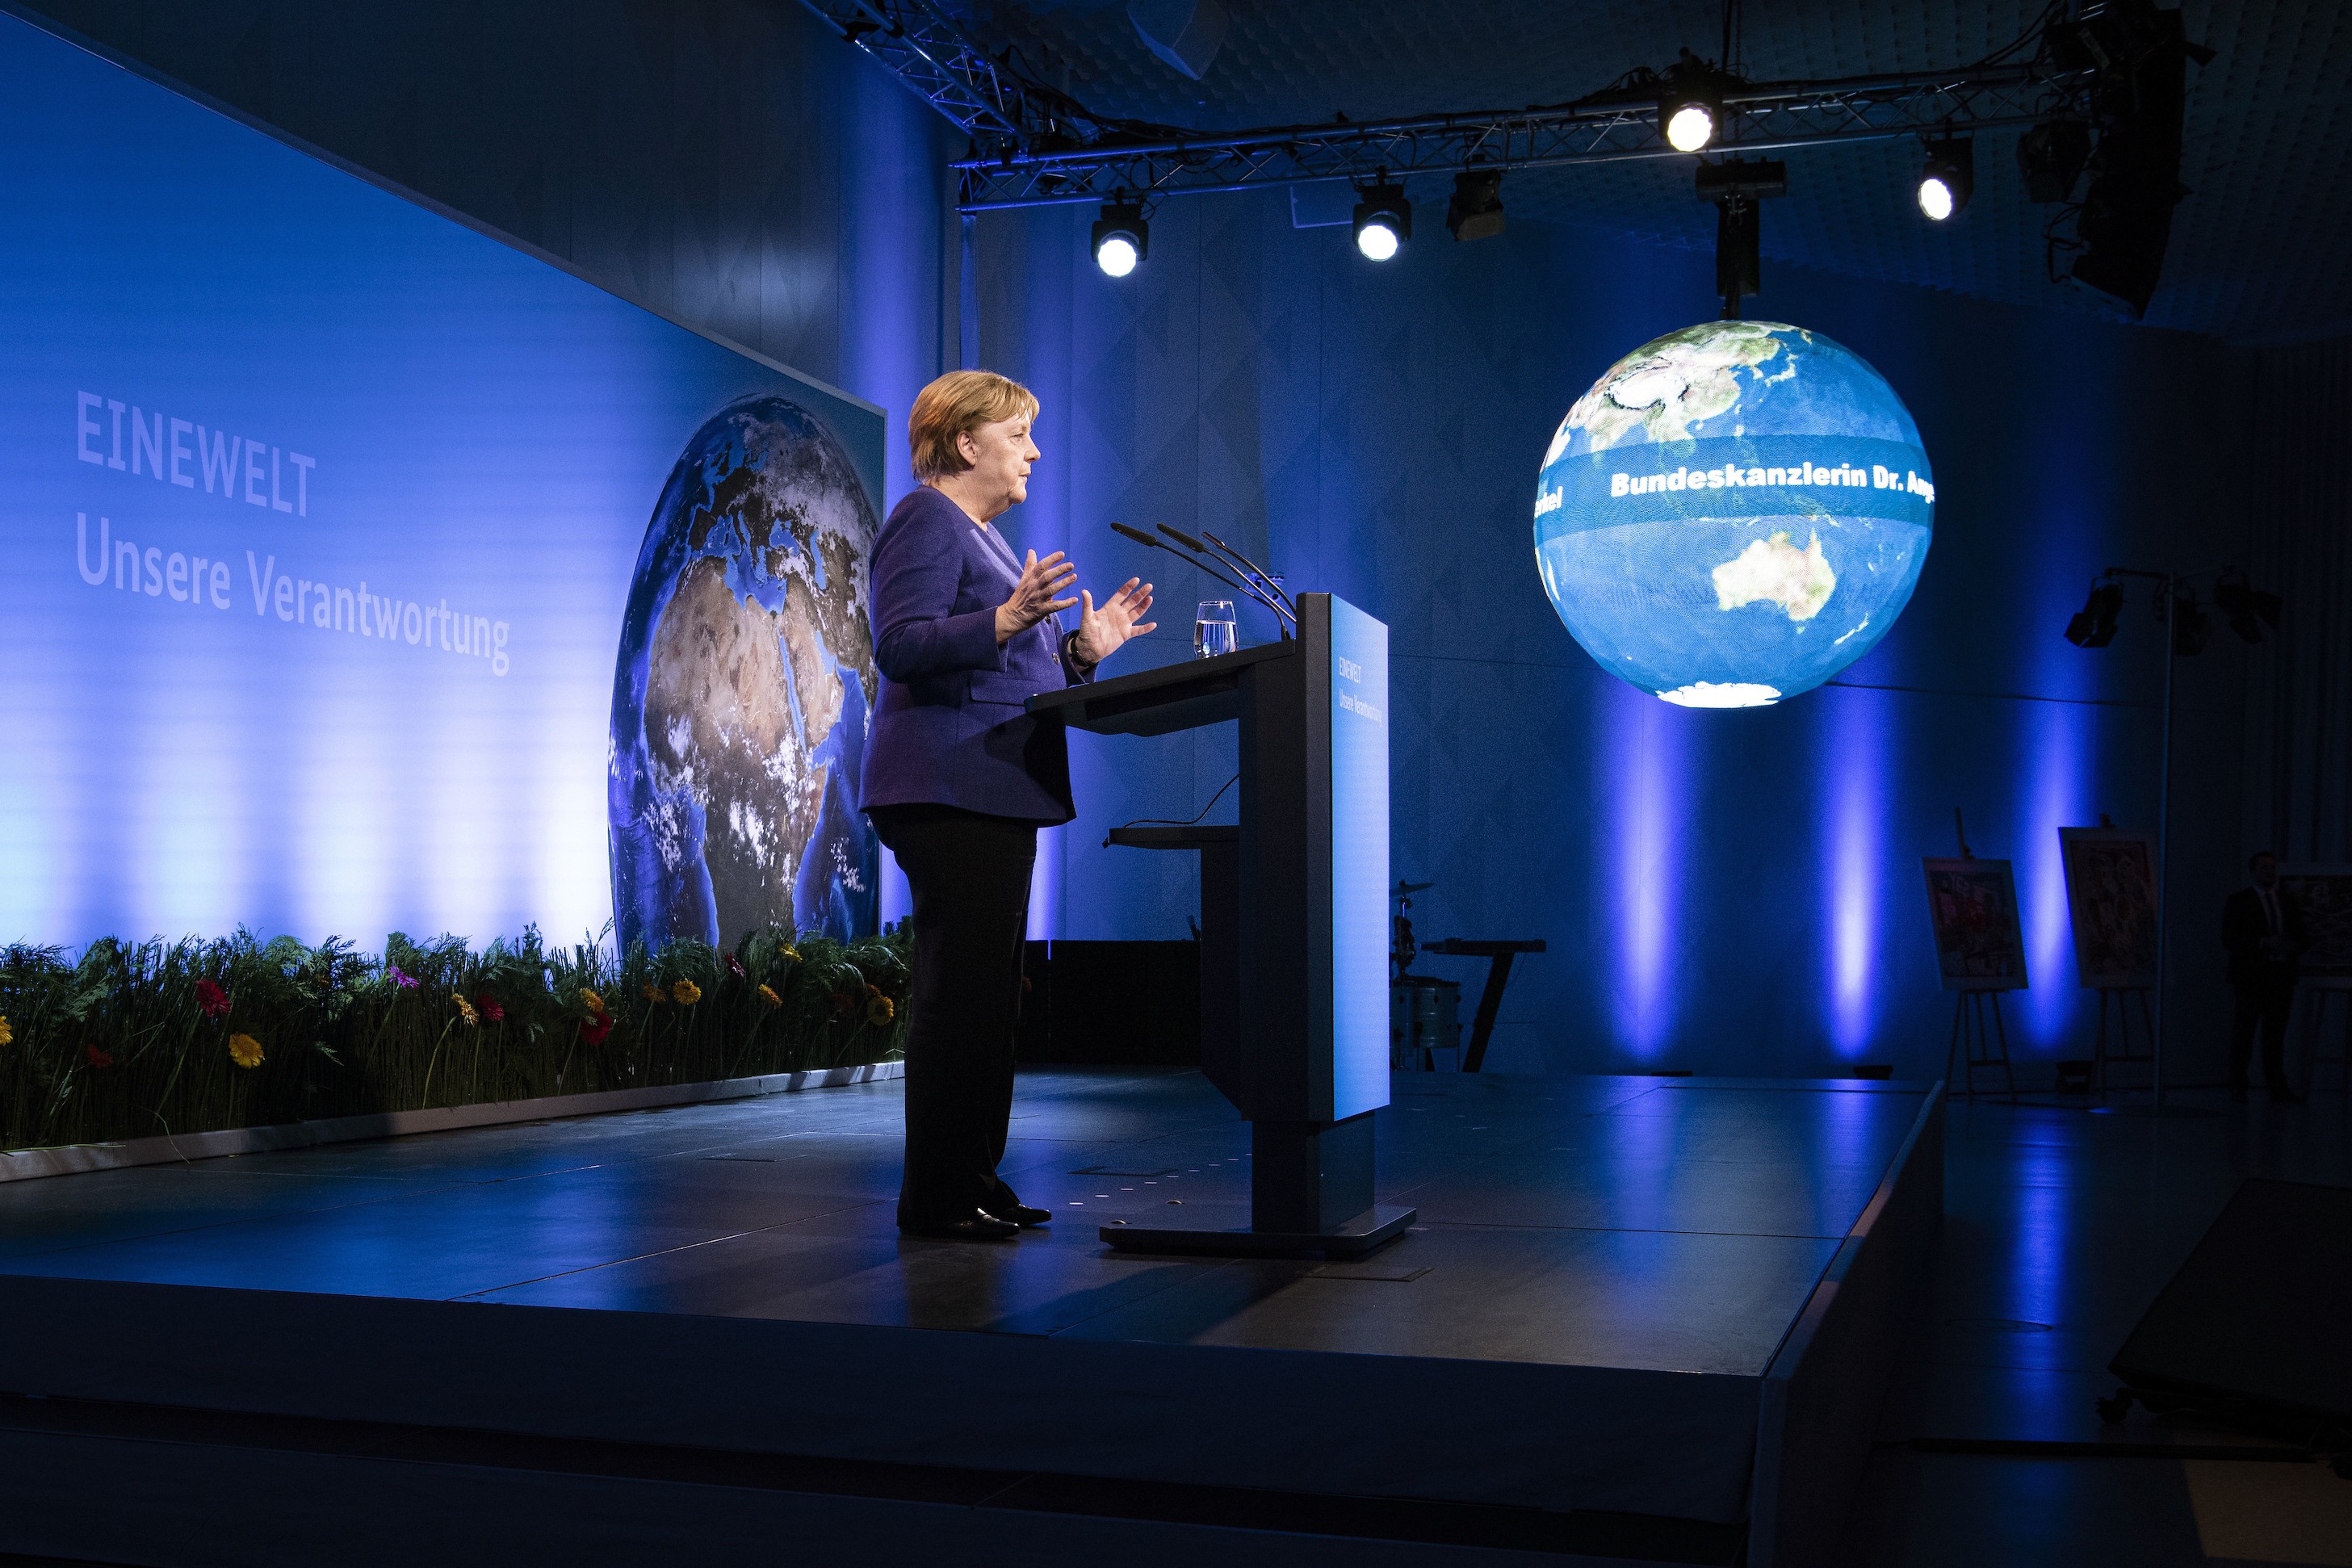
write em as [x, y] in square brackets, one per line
[135, 1040]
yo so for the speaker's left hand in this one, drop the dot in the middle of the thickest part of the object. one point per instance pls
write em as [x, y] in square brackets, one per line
[1104, 629]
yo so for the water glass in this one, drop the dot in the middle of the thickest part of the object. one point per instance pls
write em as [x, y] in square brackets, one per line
[1212, 628]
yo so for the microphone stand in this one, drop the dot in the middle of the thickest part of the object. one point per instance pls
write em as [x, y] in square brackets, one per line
[1265, 578]
[1142, 538]
[1283, 618]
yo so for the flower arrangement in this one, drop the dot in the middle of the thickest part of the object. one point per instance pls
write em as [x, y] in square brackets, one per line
[127, 1040]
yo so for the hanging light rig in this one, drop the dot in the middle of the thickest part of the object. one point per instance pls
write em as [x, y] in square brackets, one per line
[1122, 238]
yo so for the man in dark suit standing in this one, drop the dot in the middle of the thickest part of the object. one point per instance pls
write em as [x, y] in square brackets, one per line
[2263, 929]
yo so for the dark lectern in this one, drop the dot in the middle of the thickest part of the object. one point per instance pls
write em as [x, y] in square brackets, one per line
[1305, 1058]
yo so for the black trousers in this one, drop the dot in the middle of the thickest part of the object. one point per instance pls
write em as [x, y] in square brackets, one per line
[969, 873]
[2265, 1004]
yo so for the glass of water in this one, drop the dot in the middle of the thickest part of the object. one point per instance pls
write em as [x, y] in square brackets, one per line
[1212, 628]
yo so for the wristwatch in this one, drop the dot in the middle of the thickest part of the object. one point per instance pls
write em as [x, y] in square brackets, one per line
[1070, 652]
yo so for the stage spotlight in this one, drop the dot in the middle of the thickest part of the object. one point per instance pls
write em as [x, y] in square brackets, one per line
[1122, 238]
[1690, 109]
[2094, 625]
[1476, 210]
[1383, 221]
[2246, 607]
[1949, 177]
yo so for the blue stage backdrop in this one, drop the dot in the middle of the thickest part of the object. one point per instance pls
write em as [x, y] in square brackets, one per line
[343, 548]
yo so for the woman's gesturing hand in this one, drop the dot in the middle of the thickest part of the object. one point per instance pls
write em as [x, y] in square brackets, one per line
[1033, 596]
[1103, 631]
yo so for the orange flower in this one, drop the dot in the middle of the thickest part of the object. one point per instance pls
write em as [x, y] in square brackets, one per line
[880, 1010]
[686, 993]
[244, 1050]
[767, 995]
[465, 1010]
[589, 1000]
[653, 992]
[8, 1036]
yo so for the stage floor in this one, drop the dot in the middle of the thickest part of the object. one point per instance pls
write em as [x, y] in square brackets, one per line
[1584, 1320]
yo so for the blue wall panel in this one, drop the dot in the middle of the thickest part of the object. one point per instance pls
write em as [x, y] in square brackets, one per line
[1728, 891]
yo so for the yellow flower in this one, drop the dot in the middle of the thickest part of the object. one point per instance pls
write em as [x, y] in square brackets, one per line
[589, 1000]
[767, 995]
[653, 992]
[244, 1050]
[686, 993]
[466, 1010]
[881, 1010]
[791, 955]
[8, 1036]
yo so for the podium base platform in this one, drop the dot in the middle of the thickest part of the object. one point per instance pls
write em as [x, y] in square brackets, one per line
[1375, 1228]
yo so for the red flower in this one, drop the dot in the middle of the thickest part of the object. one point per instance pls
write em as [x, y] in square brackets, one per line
[735, 966]
[98, 1059]
[488, 1007]
[211, 1000]
[595, 1027]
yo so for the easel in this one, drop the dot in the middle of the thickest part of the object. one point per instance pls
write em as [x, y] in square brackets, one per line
[1980, 1034]
[2101, 1056]
[1978, 1029]
[2315, 1028]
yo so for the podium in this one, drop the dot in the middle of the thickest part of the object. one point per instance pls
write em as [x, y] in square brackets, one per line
[1305, 1059]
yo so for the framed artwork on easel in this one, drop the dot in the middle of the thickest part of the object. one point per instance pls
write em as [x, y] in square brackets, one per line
[1972, 912]
[2111, 902]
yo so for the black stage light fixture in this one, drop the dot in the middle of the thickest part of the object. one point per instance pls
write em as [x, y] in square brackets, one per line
[2137, 102]
[1122, 238]
[2190, 625]
[2050, 156]
[1383, 220]
[1690, 107]
[1735, 186]
[2246, 607]
[1949, 178]
[1476, 210]
[2094, 625]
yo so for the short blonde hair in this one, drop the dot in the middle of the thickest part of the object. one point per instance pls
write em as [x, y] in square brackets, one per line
[961, 400]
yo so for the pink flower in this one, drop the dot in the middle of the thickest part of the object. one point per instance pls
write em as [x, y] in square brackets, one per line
[211, 1000]
[490, 1008]
[405, 981]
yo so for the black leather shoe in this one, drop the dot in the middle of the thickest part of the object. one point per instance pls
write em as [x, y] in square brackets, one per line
[979, 1225]
[1023, 1215]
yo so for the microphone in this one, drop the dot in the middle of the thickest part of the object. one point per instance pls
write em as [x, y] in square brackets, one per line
[1142, 538]
[1263, 577]
[1281, 611]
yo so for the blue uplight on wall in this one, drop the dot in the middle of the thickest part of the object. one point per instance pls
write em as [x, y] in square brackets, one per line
[1648, 789]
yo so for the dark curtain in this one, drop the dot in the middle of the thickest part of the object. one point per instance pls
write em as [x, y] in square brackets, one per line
[2299, 779]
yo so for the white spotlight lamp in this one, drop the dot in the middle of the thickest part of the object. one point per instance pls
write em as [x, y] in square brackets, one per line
[1949, 178]
[1383, 221]
[1122, 238]
[1689, 124]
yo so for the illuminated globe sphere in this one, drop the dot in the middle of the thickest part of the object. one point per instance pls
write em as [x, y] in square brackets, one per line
[1733, 514]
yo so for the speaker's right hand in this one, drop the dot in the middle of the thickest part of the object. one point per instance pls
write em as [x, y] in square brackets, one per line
[1033, 597]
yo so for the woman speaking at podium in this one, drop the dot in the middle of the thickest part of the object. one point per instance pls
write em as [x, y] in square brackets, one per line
[959, 778]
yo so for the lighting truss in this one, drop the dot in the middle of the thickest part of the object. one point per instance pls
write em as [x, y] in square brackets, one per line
[1033, 146]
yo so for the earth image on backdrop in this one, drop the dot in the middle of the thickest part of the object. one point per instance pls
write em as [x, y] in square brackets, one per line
[1733, 514]
[742, 690]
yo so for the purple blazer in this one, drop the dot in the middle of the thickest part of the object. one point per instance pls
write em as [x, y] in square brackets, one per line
[949, 727]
